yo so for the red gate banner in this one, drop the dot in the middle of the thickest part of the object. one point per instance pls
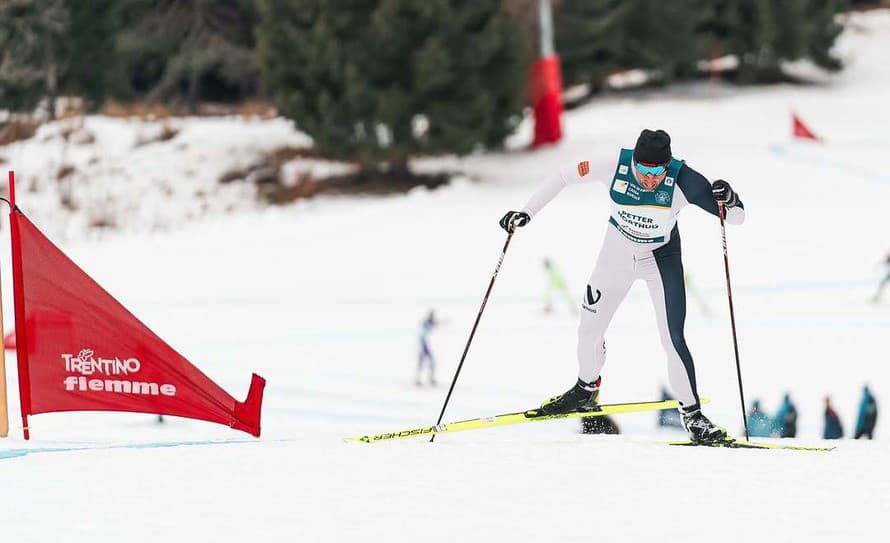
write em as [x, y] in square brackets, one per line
[79, 349]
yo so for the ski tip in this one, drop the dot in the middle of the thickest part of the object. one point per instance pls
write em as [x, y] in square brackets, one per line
[732, 443]
[738, 443]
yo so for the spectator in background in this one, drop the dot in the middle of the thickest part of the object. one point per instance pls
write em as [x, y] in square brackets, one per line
[833, 427]
[759, 423]
[425, 356]
[868, 415]
[556, 283]
[884, 281]
[786, 419]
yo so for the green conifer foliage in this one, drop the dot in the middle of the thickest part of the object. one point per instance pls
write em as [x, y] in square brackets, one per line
[667, 39]
[381, 80]
[596, 39]
[823, 28]
[89, 50]
[185, 51]
[763, 34]
[31, 33]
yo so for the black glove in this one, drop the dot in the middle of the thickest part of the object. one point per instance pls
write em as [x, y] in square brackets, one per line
[723, 193]
[513, 219]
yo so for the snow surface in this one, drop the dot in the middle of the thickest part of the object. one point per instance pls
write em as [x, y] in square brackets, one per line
[324, 298]
[123, 173]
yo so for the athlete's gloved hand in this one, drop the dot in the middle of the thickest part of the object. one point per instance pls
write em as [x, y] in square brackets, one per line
[512, 219]
[724, 193]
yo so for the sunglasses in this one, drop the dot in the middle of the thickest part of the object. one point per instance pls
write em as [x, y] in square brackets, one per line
[653, 169]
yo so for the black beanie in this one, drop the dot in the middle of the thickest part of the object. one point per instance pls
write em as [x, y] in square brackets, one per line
[653, 147]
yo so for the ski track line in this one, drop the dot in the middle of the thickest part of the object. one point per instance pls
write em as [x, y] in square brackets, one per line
[18, 453]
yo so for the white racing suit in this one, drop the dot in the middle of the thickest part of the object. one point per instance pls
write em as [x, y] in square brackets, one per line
[642, 242]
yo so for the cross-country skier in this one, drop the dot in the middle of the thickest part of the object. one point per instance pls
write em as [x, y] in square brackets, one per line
[556, 283]
[759, 423]
[648, 187]
[425, 355]
[785, 422]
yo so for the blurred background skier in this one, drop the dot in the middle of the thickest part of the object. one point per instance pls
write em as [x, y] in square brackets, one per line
[785, 423]
[643, 242]
[759, 423]
[868, 415]
[556, 285]
[425, 356]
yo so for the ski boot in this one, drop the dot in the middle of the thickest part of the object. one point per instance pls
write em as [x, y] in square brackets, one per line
[700, 429]
[581, 397]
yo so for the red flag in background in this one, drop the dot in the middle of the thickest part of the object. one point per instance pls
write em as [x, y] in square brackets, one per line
[800, 130]
[79, 349]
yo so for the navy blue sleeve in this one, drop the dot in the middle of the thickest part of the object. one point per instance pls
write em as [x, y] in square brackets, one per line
[697, 190]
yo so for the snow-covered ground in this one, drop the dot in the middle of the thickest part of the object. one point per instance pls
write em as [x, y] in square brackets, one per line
[143, 175]
[324, 299]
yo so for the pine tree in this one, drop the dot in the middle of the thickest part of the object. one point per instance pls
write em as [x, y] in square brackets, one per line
[30, 36]
[749, 29]
[588, 40]
[381, 80]
[89, 49]
[189, 50]
[823, 29]
[764, 33]
[596, 39]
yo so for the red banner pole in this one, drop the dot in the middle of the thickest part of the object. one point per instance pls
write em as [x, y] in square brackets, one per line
[18, 295]
[546, 82]
[12, 187]
[4, 405]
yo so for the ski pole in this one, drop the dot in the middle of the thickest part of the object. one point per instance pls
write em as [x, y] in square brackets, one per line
[473, 331]
[735, 342]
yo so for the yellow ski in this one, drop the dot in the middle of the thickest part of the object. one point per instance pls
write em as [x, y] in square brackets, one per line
[521, 417]
[731, 443]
